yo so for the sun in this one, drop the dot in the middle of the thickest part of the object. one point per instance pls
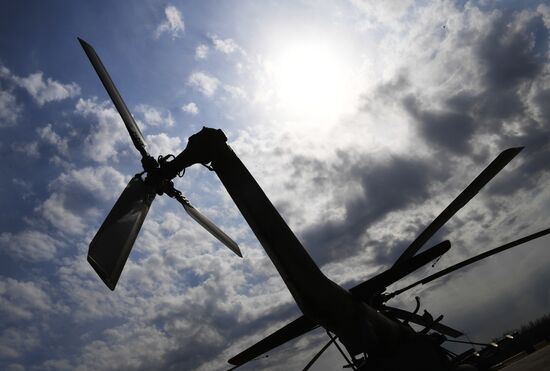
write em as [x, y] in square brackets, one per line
[312, 79]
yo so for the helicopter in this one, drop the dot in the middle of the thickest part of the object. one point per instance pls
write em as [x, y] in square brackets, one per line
[376, 336]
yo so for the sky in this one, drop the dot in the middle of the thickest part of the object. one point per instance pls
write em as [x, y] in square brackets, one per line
[361, 120]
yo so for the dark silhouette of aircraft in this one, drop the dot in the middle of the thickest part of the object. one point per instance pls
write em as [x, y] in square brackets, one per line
[375, 336]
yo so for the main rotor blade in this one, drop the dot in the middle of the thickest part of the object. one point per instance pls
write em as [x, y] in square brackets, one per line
[378, 283]
[292, 330]
[133, 129]
[208, 225]
[472, 260]
[478, 183]
[113, 241]
[419, 320]
[318, 354]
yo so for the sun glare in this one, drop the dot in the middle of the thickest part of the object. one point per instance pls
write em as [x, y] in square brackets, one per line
[312, 80]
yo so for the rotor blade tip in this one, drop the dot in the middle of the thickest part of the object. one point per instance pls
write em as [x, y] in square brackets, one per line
[515, 150]
[235, 248]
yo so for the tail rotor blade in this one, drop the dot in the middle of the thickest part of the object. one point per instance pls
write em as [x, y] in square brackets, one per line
[478, 183]
[133, 129]
[472, 260]
[113, 242]
[208, 225]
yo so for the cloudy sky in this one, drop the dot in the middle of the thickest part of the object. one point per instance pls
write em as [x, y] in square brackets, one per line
[361, 120]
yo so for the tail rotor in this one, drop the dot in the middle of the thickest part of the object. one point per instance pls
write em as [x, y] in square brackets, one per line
[114, 240]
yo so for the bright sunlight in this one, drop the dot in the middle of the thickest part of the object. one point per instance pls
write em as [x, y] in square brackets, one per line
[312, 79]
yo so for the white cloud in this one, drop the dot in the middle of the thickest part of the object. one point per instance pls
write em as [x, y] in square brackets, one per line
[130, 346]
[191, 108]
[103, 182]
[154, 116]
[49, 90]
[56, 211]
[29, 245]
[41, 90]
[108, 135]
[201, 52]
[51, 137]
[204, 83]
[22, 300]
[226, 46]
[75, 196]
[235, 91]
[5, 72]
[388, 12]
[9, 109]
[173, 24]
[162, 144]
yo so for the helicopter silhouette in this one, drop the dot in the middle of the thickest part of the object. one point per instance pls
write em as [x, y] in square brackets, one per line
[376, 336]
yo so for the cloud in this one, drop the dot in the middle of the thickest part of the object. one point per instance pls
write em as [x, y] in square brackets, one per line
[16, 341]
[155, 117]
[173, 24]
[375, 188]
[29, 245]
[235, 91]
[201, 52]
[10, 110]
[456, 113]
[128, 347]
[77, 195]
[49, 90]
[47, 134]
[447, 129]
[204, 83]
[56, 210]
[41, 90]
[101, 183]
[108, 135]
[191, 108]
[388, 13]
[226, 46]
[162, 144]
[516, 43]
[22, 300]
